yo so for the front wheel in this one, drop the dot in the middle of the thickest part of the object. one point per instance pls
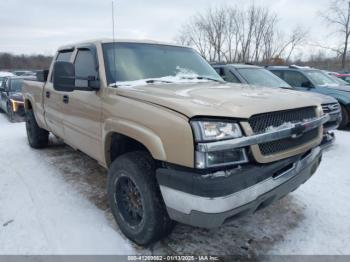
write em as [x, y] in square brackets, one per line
[135, 199]
[345, 117]
[37, 137]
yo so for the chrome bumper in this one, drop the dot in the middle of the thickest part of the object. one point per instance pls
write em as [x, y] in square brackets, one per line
[293, 130]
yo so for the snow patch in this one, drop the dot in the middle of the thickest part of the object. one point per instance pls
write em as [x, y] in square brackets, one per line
[180, 78]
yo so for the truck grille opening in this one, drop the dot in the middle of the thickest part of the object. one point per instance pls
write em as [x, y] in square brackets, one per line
[259, 124]
[288, 143]
[331, 108]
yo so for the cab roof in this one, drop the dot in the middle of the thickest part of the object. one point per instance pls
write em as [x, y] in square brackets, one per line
[110, 40]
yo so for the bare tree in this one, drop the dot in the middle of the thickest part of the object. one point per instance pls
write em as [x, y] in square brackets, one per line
[297, 37]
[338, 16]
[232, 34]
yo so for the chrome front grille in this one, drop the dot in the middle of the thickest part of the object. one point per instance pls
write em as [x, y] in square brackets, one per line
[262, 122]
[331, 108]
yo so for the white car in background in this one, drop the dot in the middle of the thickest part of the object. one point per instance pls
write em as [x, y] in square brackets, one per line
[3, 75]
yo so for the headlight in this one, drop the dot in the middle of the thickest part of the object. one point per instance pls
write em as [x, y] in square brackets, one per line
[213, 131]
[15, 104]
[221, 158]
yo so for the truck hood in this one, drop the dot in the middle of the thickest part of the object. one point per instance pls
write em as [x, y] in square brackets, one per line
[324, 98]
[219, 99]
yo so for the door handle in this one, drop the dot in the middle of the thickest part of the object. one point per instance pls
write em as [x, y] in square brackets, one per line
[48, 94]
[65, 99]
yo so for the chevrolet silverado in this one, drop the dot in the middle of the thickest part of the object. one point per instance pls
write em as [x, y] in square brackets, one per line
[180, 143]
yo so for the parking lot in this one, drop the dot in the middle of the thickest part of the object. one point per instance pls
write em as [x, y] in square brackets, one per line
[53, 201]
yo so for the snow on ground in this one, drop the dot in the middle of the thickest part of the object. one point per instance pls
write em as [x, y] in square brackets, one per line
[53, 201]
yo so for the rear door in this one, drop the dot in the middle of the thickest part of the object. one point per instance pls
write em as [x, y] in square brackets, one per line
[82, 121]
[53, 100]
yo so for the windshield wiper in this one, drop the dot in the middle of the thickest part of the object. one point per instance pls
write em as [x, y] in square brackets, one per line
[152, 81]
[208, 78]
[202, 78]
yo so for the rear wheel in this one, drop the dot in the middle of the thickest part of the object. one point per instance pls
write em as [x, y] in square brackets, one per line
[135, 199]
[345, 117]
[37, 137]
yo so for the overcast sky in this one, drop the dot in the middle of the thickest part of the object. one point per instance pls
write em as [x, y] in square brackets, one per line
[38, 26]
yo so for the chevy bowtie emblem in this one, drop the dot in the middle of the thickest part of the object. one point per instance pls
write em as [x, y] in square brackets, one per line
[332, 107]
[298, 130]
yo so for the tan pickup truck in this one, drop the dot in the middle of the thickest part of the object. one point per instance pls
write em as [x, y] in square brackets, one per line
[180, 144]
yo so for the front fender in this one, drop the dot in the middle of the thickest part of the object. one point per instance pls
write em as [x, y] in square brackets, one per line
[143, 135]
[344, 100]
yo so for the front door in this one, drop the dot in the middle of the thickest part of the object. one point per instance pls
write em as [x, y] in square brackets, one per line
[53, 100]
[82, 119]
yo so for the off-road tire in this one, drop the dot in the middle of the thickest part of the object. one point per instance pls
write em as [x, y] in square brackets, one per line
[155, 223]
[345, 117]
[37, 137]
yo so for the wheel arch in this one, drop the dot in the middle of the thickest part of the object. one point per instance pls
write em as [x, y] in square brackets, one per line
[122, 136]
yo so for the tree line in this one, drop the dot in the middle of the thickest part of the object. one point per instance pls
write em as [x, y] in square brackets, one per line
[246, 35]
[13, 62]
[253, 35]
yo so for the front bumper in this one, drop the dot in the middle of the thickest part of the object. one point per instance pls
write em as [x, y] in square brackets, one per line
[328, 140]
[213, 199]
[333, 122]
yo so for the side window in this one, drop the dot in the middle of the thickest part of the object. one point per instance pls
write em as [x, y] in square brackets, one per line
[279, 74]
[230, 77]
[227, 75]
[63, 56]
[295, 79]
[220, 71]
[84, 67]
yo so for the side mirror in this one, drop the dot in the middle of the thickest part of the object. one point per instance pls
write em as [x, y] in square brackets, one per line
[41, 76]
[307, 84]
[63, 76]
[65, 80]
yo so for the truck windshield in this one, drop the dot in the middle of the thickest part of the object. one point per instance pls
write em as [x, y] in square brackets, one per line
[321, 79]
[126, 62]
[262, 77]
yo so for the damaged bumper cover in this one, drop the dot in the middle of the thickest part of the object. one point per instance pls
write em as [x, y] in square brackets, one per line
[213, 199]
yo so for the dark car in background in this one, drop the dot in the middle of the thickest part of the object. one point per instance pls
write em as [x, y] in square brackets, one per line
[11, 99]
[317, 81]
[249, 74]
[259, 76]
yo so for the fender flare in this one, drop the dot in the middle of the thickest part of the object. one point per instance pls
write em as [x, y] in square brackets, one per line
[145, 136]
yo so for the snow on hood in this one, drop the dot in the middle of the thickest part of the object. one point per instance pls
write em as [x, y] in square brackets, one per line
[218, 99]
[178, 79]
